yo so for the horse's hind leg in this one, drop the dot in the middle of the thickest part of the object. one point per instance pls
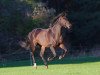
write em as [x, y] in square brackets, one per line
[33, 49]
[54, 53]
[62, 46]
[42, 56]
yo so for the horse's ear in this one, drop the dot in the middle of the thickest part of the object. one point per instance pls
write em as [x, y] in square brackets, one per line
[64, 14]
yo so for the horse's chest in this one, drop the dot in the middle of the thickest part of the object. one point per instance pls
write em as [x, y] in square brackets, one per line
[52, 38]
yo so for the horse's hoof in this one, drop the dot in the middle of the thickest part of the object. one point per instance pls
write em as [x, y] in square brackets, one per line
[46, 67]
[49, 59]
[60, 57]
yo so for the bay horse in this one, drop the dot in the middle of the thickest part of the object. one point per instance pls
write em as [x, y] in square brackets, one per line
[50, 37]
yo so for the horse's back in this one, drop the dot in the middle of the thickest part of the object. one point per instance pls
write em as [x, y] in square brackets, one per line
[44, 37]
[33, 34]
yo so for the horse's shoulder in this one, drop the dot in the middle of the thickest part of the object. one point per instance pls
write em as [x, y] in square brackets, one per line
[50, 32]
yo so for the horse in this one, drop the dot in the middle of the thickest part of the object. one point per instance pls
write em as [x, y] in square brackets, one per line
[50, 37]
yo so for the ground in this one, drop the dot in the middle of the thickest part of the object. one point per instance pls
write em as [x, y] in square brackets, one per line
[66, 66]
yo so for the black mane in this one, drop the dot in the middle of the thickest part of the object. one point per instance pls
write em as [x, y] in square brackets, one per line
[55, 19]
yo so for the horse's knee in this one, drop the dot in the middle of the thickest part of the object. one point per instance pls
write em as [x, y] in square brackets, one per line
[41, 54]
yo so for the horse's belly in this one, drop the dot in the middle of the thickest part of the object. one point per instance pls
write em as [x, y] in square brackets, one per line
[45, 42]
[42, 40]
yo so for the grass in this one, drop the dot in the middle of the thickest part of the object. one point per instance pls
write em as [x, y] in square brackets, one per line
[69, 66]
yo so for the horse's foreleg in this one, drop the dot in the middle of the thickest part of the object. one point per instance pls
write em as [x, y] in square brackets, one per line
[54, 53]
[42, 56]
[62, 46]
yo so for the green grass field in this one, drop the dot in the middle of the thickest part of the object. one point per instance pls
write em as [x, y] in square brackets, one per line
[69, 66]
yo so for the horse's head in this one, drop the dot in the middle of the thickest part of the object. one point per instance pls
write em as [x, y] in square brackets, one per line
[64, 21]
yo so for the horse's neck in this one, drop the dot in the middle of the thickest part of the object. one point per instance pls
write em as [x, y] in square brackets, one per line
[57, 31]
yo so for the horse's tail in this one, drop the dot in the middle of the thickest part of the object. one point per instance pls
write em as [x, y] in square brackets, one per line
[26, 43]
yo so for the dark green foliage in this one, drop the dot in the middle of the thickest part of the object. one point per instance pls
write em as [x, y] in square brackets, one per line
[83, 14]
[14, 19]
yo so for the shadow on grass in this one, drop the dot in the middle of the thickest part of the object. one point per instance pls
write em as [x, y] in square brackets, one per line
[54, 62]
